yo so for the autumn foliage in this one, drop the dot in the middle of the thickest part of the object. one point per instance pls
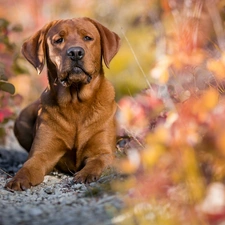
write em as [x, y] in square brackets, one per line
[8, 67]
[175, 129]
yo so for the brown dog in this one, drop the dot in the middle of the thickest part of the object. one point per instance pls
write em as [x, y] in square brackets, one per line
[72, 125]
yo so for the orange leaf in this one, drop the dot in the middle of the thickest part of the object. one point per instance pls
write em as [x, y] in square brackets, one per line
[220, 140]
[217, 67]
[210, 99]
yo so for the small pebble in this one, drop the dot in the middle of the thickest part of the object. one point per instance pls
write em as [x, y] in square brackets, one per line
[35, 212]
[49, 190]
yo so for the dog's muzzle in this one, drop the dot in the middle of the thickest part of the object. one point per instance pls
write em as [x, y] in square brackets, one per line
[77, 74]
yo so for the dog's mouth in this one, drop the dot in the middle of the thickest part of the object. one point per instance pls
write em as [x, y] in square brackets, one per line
[76, 75]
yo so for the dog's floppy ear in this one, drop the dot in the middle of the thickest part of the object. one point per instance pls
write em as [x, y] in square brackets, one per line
[110, 42]
[34, 48]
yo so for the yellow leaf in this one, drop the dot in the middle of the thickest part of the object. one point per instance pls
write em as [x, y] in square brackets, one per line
[217, 67]
[128, 167]
[160, 136]
[130, 183]
[192, 174]
[152, 154]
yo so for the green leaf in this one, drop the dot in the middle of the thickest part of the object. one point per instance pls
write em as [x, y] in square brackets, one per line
[3, 23]
[17, 68]
[2, 74]
[7, 87]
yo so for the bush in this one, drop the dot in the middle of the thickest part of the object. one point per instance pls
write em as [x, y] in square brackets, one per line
[176, 147]
[8, 67]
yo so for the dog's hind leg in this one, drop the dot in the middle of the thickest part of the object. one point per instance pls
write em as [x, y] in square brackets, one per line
[24, 128]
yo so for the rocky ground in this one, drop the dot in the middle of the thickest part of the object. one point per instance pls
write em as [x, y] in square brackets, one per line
[57, 201]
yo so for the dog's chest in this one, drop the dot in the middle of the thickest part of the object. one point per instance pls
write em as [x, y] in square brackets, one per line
[74, 120]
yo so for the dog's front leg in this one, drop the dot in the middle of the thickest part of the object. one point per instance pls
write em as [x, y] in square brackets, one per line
[93, 168]
[46, 151]
[96, 156]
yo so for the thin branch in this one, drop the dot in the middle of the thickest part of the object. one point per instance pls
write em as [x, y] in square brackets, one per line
[136, 59]
[5, 172]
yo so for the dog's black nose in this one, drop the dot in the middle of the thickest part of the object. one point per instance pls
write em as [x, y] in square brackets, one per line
[75, 53]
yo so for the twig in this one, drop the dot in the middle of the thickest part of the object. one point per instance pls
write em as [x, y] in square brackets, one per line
[136, 59]
[69, 169]
[5, 172]
[217, 23]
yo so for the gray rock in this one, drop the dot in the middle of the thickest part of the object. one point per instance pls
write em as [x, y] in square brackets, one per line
[49, 190]
[35, 211]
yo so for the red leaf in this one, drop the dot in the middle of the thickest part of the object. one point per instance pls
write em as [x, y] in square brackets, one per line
[5, 113]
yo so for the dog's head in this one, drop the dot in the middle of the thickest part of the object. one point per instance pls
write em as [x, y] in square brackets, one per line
[72, 48]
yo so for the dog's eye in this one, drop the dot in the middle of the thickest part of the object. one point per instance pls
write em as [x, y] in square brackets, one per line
[58, 41]
[87, 38]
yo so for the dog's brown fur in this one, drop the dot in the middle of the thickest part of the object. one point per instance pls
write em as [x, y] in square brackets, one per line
[72, 125]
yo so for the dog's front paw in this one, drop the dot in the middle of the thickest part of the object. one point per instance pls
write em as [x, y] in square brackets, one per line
[84, 177]
[18, 183]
